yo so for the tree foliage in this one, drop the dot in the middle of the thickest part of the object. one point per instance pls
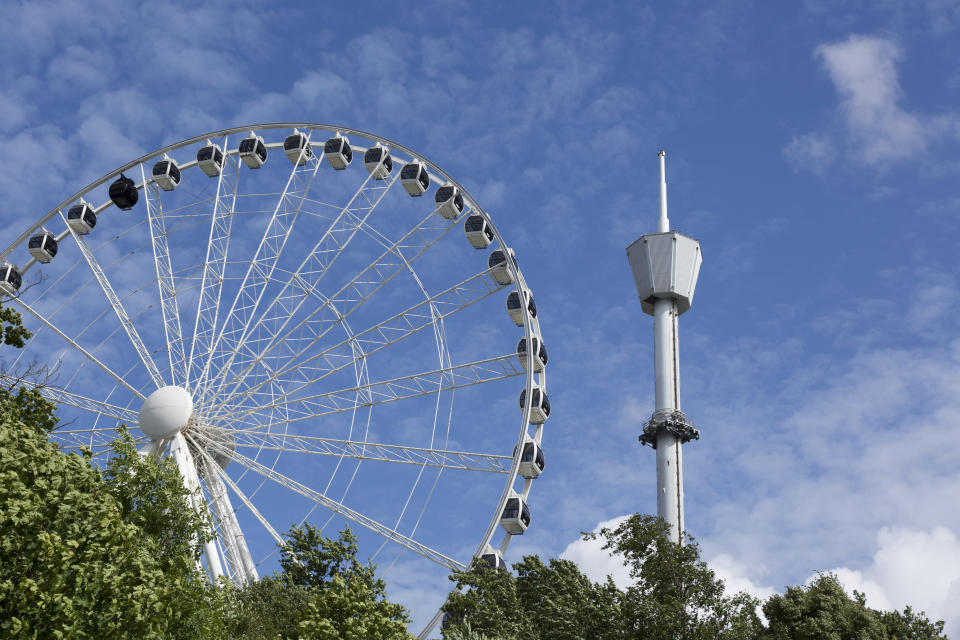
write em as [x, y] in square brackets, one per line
[822, 610]
[74, 561]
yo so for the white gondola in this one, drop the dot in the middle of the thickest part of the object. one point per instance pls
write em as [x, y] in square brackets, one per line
[378, 162]
[166, 174]
[531, 460]
[499, 270]
[81, 218]
[449, 202]
[10, 279]
[253, 151]
[539, 354]
[493, 558]
[515, 307]
[478, 231]
[414, 177]
[516, 515]
[123, 193]
[210, 159]
[337, 151]
[43, 246]
[539, 405]
[297, 148]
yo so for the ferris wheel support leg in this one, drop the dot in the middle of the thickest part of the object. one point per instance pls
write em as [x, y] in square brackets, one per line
[237, 550]
[188, 471]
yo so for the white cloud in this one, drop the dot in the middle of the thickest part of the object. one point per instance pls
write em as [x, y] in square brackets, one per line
[736, 577]
[596, 562]
[919, 568]
[878, 128]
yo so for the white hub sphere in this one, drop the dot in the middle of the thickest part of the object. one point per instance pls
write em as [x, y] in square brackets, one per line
[166, 412]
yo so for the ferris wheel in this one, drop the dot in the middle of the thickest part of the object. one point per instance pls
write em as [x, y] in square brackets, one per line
[293, 330]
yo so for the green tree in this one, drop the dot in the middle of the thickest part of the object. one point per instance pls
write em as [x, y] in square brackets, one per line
[822, 610]
[75, 562]
[674, 593]
[487, 600]
[321, 592]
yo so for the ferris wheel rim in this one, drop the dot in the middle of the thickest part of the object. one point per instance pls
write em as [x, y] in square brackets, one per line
[531, 324]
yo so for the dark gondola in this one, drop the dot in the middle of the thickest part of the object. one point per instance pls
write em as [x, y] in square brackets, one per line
[378, 162]
[253, 151]
[10, 279]
[499, 269]
[414, 178]
[449, 202]
[540, 406]
[516, 516]
[337, 151]
[297, 147]
[493, 558]
[43, 246]
[531, 460]
[166, 174]
[479, 231]
[210, 159]
[123, 192]
[539, 353]
[515, 307]
[81, 218]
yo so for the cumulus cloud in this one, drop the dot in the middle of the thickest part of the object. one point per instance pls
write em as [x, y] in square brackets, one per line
[876, 124]
[596, 562]
[919, 568]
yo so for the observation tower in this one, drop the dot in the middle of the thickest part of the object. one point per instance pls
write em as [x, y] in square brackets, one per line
[665, 267]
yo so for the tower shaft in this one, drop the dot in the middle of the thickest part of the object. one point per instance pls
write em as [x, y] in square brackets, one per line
[667, 394]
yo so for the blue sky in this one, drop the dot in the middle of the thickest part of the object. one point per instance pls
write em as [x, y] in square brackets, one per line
[812, 148]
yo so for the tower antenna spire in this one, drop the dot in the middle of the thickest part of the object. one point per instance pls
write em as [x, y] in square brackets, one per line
[665, 268]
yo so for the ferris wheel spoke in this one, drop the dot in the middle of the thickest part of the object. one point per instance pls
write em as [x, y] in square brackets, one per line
[307, 369]
[225, 478]
[90, 438]
[75, 400]
[361, 450]
[377, 393]
[237, 553]
[76, 346]
[260, 272]
[172, 330]
[114, 302]
[215, 263]
[303, 282]
[337, 507]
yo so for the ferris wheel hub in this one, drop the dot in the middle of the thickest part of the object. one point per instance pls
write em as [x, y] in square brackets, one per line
[166, 412]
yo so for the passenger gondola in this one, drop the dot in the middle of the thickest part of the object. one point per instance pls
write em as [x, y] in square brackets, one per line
[210, 159]
[479, 231]
[10, 279]
[253, 151]
[378, 162]
[515, 307]
[414, 177]
[493, 558]
[497, 262]
[166, 174]
[531, 460]
[516, 515]
[81, 218]
[297, 148]
[449, 202]
[337, 151]
[539, 407]
[43, 246]
[123, 193]
[539, 353]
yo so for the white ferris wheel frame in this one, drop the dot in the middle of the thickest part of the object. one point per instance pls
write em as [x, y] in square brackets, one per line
[234, 552]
